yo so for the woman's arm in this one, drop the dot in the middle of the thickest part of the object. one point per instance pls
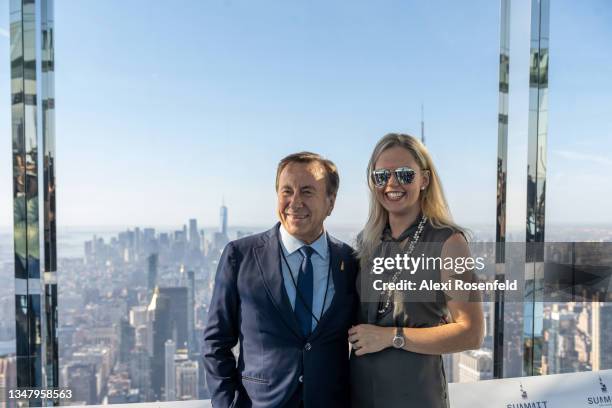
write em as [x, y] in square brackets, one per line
[465, 332]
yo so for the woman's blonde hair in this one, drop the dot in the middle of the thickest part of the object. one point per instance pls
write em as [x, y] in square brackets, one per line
[432, 200]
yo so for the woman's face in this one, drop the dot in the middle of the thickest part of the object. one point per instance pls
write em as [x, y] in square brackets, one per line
[400, 199]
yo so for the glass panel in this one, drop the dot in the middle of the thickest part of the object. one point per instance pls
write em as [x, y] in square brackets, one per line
[536, 187]
[517, 323]
[10, 121]
[497, 310]
[259, 88]
[579, 334]
[7, 257]
[31, 308]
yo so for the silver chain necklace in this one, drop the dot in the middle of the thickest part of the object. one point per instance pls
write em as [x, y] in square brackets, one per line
[413, 242]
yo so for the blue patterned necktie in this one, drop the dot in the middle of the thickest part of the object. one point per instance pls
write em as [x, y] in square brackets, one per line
[303, 299]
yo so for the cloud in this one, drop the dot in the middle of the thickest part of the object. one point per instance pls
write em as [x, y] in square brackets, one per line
[4, 32]
[592, 158]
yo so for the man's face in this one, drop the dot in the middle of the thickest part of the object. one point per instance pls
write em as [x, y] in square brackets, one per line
[303, 203]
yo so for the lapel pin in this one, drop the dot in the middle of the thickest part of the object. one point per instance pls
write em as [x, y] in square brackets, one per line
[342, 266]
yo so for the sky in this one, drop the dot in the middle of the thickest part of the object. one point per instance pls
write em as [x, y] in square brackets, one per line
[166, 109]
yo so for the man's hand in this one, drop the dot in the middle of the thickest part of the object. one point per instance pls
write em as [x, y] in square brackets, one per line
[368, 338]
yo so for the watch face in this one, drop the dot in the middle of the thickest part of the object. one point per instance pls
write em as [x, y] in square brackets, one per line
[398, 342]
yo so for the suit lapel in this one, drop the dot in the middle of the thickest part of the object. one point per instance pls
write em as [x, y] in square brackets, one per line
[268, 261]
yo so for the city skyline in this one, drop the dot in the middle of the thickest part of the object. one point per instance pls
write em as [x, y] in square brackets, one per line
[170, 122]
[259, 88]
[138, 265]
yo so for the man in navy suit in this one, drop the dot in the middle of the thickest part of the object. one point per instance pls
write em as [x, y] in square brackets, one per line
[287, 297]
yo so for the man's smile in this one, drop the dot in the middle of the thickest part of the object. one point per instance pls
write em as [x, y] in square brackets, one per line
[297, 216]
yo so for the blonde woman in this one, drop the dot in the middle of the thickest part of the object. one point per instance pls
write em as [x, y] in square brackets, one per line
[397, 345]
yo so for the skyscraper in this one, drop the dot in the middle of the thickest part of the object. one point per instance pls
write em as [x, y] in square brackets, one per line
[152, 262]
[422, 125]
[601, 354]
[560, 354]
[194, 235]
[126, 340]
[7, 378]
[168, 321]
[192, 340]
[187, 376]
[81, 379]
[475, 365]
[138, 316]
[223, 219]
[202, 242]
[169, 372]
[140, 372]
[178, 312]
[160, 327]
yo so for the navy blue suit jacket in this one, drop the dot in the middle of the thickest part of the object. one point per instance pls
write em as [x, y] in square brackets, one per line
[277, 366]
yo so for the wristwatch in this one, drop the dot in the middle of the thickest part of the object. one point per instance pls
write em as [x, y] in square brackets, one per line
[399, 341]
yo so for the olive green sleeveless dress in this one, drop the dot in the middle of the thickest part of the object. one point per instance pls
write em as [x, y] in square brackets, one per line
[394, 378]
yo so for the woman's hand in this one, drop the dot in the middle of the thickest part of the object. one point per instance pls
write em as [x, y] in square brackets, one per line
[368, 338]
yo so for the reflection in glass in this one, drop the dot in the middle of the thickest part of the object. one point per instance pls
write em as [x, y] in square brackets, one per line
[536, 186]
[502, 165]
[33, 151]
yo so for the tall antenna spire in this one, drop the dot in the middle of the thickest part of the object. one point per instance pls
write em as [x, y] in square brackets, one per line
[422, 125]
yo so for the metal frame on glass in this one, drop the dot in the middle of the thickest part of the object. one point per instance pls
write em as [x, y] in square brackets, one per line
[536, 186]
[33, 151]
[502, 165]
